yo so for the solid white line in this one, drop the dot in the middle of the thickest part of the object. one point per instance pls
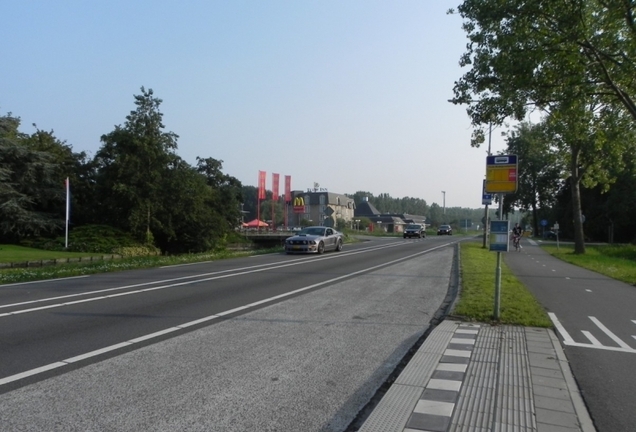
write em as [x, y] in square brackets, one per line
[31, 372]
[97, 352]
[609, 333]
[591, 338]
[201, 320]
[566, 336]
[43, 280]
[154, 335]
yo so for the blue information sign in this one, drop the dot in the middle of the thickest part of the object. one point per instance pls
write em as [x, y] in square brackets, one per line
[544, 222]
[486, 198]
[499, 231]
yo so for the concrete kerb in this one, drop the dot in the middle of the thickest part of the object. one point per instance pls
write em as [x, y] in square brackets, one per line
[577, 400]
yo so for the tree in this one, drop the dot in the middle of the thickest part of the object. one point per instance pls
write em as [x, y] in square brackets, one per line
[540, 174]
[131, 164]
[228, 191]
[29, 186]
[554, 56]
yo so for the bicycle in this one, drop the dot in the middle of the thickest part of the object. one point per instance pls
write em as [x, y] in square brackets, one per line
[515, 242]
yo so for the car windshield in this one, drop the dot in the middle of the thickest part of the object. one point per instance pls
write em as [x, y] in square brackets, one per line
[413, 227]
[318, 231]
[444, 227]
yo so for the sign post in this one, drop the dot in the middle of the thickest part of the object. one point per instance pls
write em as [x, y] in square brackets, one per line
[501, 178]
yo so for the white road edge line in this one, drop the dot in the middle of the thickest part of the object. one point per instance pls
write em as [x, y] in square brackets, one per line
[564, 334]
[55, 365]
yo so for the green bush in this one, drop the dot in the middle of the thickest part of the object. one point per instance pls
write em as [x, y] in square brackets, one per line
[101, 239]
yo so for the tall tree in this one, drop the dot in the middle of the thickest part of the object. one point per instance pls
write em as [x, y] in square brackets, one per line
[131, 163]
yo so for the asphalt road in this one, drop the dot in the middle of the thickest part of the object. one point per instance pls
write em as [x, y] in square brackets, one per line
[270, 343]
[596, 322]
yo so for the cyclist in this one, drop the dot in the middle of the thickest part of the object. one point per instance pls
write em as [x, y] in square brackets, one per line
[517, 232]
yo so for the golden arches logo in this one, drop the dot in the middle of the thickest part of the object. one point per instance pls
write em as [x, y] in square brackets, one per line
[299, 201]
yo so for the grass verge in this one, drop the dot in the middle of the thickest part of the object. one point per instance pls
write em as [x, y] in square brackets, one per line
[518, 306]
[16, 275]
[615, 261]
[13, 253]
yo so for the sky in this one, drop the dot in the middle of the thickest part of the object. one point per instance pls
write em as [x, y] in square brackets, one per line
[350, 95]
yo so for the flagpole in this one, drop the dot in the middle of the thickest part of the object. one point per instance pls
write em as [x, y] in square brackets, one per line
[68, 207]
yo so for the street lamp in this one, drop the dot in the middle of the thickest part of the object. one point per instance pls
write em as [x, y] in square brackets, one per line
[444, 204]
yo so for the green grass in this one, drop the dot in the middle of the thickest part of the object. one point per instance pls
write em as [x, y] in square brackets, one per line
[16, 275]
[12, 253]
[615, 261]
[476, 302]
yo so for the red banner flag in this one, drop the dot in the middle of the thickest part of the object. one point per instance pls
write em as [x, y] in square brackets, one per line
[261, 185]
[275, 182]
[287, 189]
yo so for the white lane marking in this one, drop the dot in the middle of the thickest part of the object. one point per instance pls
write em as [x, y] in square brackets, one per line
[591, 338]
[43, 280]
[564, 334]
[634, 321]
[567, 277]
[45, 368]
[268, 266]
[588, 290]
[609, 333]
[567, 340]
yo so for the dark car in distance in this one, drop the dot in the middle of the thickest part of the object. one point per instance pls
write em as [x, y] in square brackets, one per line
[444, 230]
[414, 230]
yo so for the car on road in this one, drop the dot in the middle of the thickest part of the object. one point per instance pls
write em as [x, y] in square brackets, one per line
[314, 240]
[444, 230]
[550, 235]
[414, 230]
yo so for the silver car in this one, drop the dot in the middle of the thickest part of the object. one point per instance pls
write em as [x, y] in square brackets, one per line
[314, 239]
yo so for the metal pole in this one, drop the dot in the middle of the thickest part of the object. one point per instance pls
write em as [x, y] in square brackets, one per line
[498, 271]
[444, 205]
[486, 213]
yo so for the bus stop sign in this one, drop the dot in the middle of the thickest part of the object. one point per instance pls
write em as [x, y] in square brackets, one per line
[501, 174]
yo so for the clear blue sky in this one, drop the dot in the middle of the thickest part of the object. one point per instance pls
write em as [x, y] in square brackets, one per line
[352, 95]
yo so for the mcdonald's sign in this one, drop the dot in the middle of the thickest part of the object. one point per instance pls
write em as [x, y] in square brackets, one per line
[299, 205]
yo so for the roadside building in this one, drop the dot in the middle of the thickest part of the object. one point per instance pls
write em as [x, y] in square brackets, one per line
[320, 207]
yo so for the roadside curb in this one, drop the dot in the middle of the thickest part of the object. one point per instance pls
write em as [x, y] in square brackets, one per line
[587, 425]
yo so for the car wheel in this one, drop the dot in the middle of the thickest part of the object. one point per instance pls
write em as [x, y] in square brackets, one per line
[321, 247]
[339, 246]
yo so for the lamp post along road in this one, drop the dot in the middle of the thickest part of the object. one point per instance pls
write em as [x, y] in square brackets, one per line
[444, 204]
